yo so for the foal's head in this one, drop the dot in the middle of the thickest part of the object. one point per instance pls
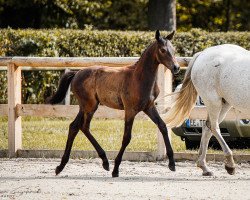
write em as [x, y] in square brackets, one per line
[165, 52]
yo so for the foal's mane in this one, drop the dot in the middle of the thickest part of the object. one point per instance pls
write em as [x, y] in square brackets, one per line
[143, 55]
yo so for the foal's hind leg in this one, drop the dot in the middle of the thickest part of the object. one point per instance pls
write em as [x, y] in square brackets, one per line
[73, 130]
[154, 116]
[98, 148]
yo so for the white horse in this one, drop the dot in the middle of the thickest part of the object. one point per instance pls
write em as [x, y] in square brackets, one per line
[221, 76]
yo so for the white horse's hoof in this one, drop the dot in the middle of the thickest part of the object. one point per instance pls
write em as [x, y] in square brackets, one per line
[230, 170]
[207, 174]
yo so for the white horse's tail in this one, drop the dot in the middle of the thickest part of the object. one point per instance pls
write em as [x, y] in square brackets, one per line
[184, 101]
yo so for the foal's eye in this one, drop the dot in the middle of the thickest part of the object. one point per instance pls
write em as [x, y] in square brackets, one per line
[163, 50]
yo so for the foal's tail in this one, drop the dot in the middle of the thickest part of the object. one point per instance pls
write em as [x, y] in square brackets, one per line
[62, 89]
[184, 101]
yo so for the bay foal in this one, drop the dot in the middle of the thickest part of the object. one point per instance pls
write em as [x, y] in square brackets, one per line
[132, 89]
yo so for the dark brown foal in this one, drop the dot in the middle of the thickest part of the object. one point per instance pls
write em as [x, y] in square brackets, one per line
[132, 89]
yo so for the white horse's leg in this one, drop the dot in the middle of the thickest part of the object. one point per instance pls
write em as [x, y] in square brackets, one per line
[206, 135]
[229, 163]
[216, 113]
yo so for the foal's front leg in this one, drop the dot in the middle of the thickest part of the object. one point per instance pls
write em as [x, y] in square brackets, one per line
[155, 117]
[129, 120]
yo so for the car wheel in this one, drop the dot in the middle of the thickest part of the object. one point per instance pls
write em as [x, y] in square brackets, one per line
[191, 144]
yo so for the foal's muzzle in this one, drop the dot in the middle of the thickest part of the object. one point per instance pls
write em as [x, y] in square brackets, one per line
[176, 69]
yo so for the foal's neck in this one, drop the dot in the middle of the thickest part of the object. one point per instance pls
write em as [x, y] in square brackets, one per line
[147, 66]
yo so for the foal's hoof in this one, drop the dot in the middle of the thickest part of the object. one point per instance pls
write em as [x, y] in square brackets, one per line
[230, 170]
[58, 170]
[105, 165]
[207, 174]
[115, 174]
[172, 167]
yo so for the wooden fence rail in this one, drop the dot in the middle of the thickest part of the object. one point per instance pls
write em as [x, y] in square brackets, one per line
[15, 109]
[76, 61]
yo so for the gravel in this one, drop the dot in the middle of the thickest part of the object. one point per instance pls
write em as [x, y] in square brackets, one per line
[85, 179]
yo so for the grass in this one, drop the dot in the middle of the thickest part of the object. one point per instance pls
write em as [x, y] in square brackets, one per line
[51, 133]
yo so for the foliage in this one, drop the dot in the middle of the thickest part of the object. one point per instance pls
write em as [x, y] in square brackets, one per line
[3, 87]
[101, 14]
[88, 43]
[213, 15]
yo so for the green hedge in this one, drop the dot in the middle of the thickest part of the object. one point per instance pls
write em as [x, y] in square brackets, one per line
[77, 43]
[65, 42]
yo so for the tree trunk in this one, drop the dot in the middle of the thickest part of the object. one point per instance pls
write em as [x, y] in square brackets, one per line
[162, 14]
[228, 12]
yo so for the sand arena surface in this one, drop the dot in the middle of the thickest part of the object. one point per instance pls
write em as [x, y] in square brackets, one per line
[85, 179]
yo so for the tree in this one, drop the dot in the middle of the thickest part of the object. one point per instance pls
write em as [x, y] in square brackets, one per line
[213, 15]
[162, 14]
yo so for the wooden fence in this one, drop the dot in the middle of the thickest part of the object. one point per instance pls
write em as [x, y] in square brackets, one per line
[15, 109]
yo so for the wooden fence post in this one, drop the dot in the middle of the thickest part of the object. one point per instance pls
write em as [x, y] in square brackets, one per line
[14, 98]
[164, 81]
[67, 98]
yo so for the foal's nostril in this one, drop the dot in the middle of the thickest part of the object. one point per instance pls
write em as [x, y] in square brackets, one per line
[176, 69]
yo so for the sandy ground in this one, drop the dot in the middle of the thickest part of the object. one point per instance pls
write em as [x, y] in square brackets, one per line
[85, 179]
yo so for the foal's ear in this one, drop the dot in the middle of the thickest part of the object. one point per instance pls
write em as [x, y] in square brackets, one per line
[157, 35]
[171, 35]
